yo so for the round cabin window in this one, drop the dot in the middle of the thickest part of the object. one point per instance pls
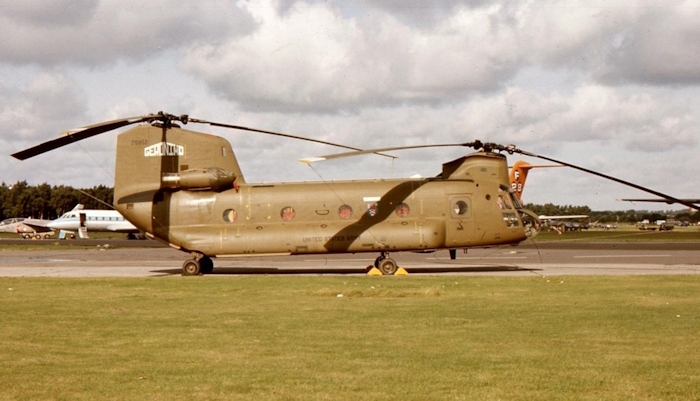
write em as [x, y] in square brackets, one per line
[402, 210]
[287, 213]
[230, 216]
[460, 208]
[345, 212]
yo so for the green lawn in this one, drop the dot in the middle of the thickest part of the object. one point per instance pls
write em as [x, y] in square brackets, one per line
[351, 338]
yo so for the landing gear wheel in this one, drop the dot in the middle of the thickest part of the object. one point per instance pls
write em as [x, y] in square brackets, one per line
[379, 260]
[191, 267]
[206, 265]
[387, 266]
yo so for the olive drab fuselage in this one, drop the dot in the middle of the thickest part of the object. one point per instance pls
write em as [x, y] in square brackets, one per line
[187, 189]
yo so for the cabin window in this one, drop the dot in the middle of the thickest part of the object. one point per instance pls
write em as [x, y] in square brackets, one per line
[230, 216]
[402, 210]
[345, 212]
[460, 208]
[287, 213]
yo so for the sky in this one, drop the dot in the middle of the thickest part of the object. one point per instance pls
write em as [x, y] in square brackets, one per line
[612, 86]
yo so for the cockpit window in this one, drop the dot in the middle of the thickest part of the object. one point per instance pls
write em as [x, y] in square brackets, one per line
[504, 201]
[507, 199]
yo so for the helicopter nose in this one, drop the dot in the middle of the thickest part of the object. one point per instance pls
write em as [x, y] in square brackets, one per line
[531, 223]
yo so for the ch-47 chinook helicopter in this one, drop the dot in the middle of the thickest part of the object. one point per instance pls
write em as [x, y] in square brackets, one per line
[186, 189]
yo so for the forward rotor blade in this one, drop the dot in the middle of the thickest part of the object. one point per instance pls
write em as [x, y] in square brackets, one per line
[68, 137]
[669, 198]
[262, 131]
[476, 145]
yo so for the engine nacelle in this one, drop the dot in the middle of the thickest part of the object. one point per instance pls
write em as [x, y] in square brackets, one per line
[214, 179]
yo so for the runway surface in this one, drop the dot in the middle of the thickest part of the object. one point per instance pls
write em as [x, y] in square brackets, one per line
[547, 259]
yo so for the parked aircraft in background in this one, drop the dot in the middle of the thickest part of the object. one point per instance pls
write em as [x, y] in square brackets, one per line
[86, 220]
[562, 224]
[26, 227]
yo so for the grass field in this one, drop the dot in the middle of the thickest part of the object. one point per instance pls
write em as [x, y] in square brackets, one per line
[351, 338]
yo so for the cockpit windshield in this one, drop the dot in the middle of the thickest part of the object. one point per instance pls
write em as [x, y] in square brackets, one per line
[507, 197]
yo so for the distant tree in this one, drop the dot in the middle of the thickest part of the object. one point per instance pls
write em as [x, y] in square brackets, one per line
[16, 203]
[550, 209]
[4, 194]
[631, 216]
[653, 216]
[40, 202]
[98, 197]
[63, 199]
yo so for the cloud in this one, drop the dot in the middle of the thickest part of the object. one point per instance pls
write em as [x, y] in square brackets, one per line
[91, 32]
[642, 121]
[661, 48]
[327, 57]
[312, 58]
[50, 100]
[607, 83]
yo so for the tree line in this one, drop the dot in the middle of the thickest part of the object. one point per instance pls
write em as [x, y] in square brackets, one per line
[49, 202]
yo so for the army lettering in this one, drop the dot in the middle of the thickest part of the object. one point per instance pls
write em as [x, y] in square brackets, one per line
[164, 149]
[336, 238]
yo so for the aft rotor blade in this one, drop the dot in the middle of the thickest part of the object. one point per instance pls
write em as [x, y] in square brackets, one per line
[668, 198]
[660, 200]
[68, 137]
[280, 134]
[476, 145]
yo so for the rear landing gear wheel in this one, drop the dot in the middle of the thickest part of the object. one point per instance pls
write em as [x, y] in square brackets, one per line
[199, 264]
[206, 265]
[191, 267]
[386, 265]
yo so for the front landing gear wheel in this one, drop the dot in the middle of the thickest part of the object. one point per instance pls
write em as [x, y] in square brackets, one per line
[387, 266]
[191, 267]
